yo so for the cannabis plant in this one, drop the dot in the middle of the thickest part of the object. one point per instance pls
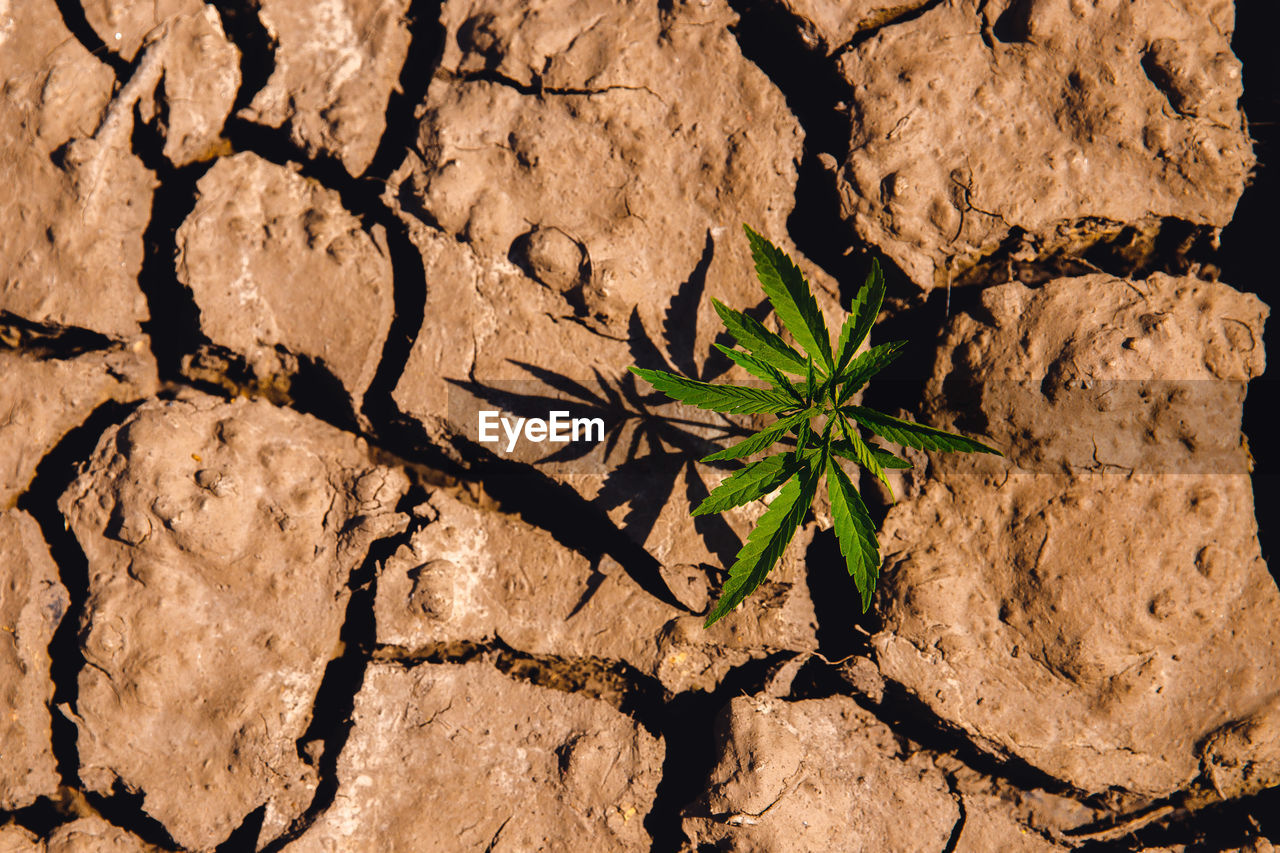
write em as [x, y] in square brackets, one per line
[816, 421]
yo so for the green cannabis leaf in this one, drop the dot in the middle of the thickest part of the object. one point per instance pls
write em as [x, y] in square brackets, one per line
[815, 420]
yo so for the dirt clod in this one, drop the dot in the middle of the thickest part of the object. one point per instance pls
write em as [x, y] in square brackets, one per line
[32, 603]
[214, 608]
[547, 769]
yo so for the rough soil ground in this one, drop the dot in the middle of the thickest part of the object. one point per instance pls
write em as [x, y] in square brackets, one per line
[263, 586]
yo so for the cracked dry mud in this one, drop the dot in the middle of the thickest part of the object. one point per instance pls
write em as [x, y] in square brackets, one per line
[264, 587]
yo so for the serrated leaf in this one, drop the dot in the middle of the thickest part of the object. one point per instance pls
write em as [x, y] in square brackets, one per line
[791, 297]
[862, 314]
[855, 531]
[750, 483]
[762, 343]
[746, 361]
[862, 453]
[732, 399]
[844, 352]
[884, 457]
[911, 434]
[803, 435]
[762, 370]
[762, 440]
[866, 365]
[767, 541]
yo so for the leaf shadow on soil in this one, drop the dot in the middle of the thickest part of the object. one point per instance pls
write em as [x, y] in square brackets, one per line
[649, 442]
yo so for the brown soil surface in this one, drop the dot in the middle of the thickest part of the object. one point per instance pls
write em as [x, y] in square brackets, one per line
[265, 585]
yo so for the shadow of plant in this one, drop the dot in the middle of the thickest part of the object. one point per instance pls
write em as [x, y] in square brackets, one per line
[649, 441]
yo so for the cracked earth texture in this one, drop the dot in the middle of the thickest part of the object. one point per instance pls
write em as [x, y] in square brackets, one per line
[264, 588]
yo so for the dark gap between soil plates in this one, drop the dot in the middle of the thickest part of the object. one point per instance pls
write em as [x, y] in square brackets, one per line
[46, 814]
[73, 18]
[331, 715]
[615, 682]
[426, 48]
[817, 679]
[900, 18]
[315, 391]
[257, 48]
[244, 839]
[174, 322]
[409, 284]
[958, 829]
[923, 324]
[769, 36]
[825, 238]
[53, 475]
[687, 723]
[1247, 256]
[1221, 827]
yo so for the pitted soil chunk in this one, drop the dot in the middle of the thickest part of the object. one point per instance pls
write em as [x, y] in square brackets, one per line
[32, 603]
[219, 538]
[471, 575]
[84, 835]
[79, 216]
[15, 839]
[336, 64]
[1097, 621]
[820, 774]
[269, 255]
[1100, 373]
[1053, 123]
[544, 770]
[1243, 757]
[562, 143]
[1100, 653]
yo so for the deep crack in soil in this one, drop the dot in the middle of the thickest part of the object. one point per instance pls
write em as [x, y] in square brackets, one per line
[55, 473]
[313, 389]
[687, 722]
[331, 719]
[767, 36]
[174, 323]
[1247, 255]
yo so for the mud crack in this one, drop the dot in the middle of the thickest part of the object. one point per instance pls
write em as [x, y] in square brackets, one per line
[537, 89]
[331, 719]
[123, 808]
[615, 682]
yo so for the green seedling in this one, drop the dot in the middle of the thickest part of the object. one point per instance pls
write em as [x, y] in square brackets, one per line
[817, 423]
